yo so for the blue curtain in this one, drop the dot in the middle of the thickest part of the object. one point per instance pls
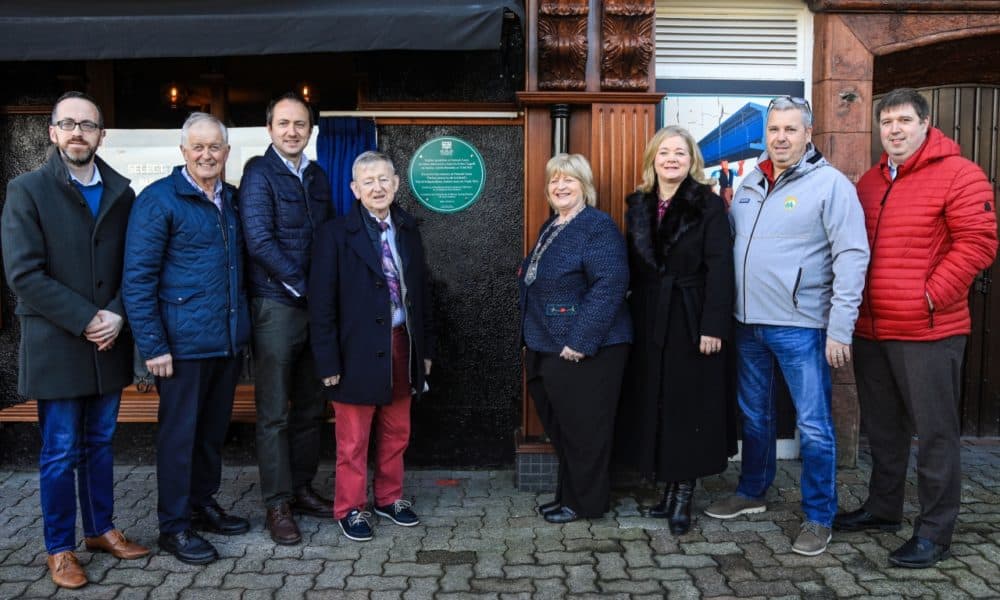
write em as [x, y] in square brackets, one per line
[340, 141]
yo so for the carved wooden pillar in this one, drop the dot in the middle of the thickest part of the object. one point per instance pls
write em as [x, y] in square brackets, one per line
[627, 36]
[562, 44]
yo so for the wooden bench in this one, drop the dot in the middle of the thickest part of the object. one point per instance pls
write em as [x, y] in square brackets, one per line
[140, 407]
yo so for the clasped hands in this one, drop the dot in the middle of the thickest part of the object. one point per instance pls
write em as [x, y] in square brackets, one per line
[103, 329]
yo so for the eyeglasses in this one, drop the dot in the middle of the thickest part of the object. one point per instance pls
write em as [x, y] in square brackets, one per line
[70, 125]
[793, 99]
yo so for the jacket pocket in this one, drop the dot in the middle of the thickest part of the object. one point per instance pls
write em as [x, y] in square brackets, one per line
[178, 310]
[292, 211]
[795, 288]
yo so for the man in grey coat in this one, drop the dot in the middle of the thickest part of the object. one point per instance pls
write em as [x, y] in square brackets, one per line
[800, 254]
[63, 232]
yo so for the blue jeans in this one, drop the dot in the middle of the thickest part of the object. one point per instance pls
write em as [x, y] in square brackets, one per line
[76, 444]
[800, 353]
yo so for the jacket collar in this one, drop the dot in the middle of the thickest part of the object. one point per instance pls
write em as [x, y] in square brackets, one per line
[685, 210]
[114, 183]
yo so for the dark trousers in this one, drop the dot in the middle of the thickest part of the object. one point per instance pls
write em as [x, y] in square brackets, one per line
[576, 403]
[907, 386]
[195, 407]
[287, 395]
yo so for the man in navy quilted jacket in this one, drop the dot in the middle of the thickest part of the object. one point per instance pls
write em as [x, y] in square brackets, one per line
[284, 197]
[183, 292]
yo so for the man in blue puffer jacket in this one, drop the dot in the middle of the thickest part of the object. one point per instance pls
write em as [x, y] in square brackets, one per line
[284, 198]
[183, 293]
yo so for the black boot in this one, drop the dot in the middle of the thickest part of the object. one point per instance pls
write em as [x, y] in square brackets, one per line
[680, 515]
[663, 509]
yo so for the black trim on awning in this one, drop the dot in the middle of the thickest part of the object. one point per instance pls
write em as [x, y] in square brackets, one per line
[114, 29]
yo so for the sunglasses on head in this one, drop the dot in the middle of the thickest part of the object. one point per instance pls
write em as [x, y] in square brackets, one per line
[793, 99]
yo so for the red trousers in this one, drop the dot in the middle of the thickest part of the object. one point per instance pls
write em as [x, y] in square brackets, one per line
[353, 428]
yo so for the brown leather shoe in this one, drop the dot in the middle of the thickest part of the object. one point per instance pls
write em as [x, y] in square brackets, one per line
[282, 525]
[115, 543]
[308, 502]
[66, 570]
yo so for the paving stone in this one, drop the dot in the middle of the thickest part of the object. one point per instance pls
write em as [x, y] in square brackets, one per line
[564, 558]
[711, 549]
[682, 590]
[252, 581]
[333, 575]
[638, 553]
[210, 594]
[375, 583]
[710, 582]
[547, 589]
[687, 561]
[501, 584]
[456, 578]
[133, 577]
[581, 578]
[610, 566]
[658, 573]
[630, 587]
[768, 589]
[294, 587]
[974, 585]
[841, 580]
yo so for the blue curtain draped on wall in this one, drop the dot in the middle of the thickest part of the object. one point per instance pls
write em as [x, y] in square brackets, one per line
[340, 141]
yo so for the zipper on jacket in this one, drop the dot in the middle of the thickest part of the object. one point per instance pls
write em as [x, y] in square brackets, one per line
[746, 254]
[795, 290]
[871, 256]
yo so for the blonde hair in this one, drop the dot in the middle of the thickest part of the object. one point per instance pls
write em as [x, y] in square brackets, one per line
[575, 166]
[697, 170]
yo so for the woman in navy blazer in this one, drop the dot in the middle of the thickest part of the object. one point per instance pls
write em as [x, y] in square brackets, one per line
[576, 329]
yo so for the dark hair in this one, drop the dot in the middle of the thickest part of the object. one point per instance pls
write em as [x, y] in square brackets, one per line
[81, 96]
[902, 97]
[294, 98]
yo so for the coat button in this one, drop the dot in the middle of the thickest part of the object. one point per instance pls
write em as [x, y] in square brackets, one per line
[379, 320]
[379, 284]
[100, 283]
[380, 354]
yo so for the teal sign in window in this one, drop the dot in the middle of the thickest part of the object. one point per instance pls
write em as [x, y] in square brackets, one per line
[447, 174]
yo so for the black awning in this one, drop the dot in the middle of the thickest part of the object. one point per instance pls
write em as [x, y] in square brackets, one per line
[111, 29]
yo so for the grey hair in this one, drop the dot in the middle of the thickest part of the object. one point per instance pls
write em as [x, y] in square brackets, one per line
[368, 157]
[200, 117]
[783, 103]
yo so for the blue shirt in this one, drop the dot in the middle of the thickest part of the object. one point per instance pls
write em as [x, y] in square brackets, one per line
[301, 170]
[92, 190]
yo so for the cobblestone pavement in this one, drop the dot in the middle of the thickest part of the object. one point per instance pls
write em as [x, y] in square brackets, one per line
[480, 538]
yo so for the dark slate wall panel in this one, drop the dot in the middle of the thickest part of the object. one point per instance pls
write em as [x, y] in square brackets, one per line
[23, 141]
[469, 417]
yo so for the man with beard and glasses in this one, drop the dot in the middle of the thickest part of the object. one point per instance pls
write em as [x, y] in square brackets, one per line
[63, 243]
[184, 294]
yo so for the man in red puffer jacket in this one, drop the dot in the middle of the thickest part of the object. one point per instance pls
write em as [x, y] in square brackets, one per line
[931, 227]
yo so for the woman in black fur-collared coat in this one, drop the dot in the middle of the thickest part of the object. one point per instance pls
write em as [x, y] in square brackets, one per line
[674, 417]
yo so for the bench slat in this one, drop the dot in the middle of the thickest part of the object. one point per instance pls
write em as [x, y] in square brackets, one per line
[141, 407]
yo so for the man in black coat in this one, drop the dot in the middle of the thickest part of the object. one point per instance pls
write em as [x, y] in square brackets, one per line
[63, 244]
[372, 336]
[284, 198]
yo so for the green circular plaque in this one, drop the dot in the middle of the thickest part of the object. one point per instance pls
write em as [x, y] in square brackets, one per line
[447, 174]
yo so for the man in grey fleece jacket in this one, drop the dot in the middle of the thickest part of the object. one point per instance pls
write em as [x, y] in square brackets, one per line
[800, 253]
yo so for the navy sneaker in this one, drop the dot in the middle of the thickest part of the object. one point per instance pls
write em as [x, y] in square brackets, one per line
[399, 512]
[357, 525]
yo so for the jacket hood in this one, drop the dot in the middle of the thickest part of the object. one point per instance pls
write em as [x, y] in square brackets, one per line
[936, 147]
